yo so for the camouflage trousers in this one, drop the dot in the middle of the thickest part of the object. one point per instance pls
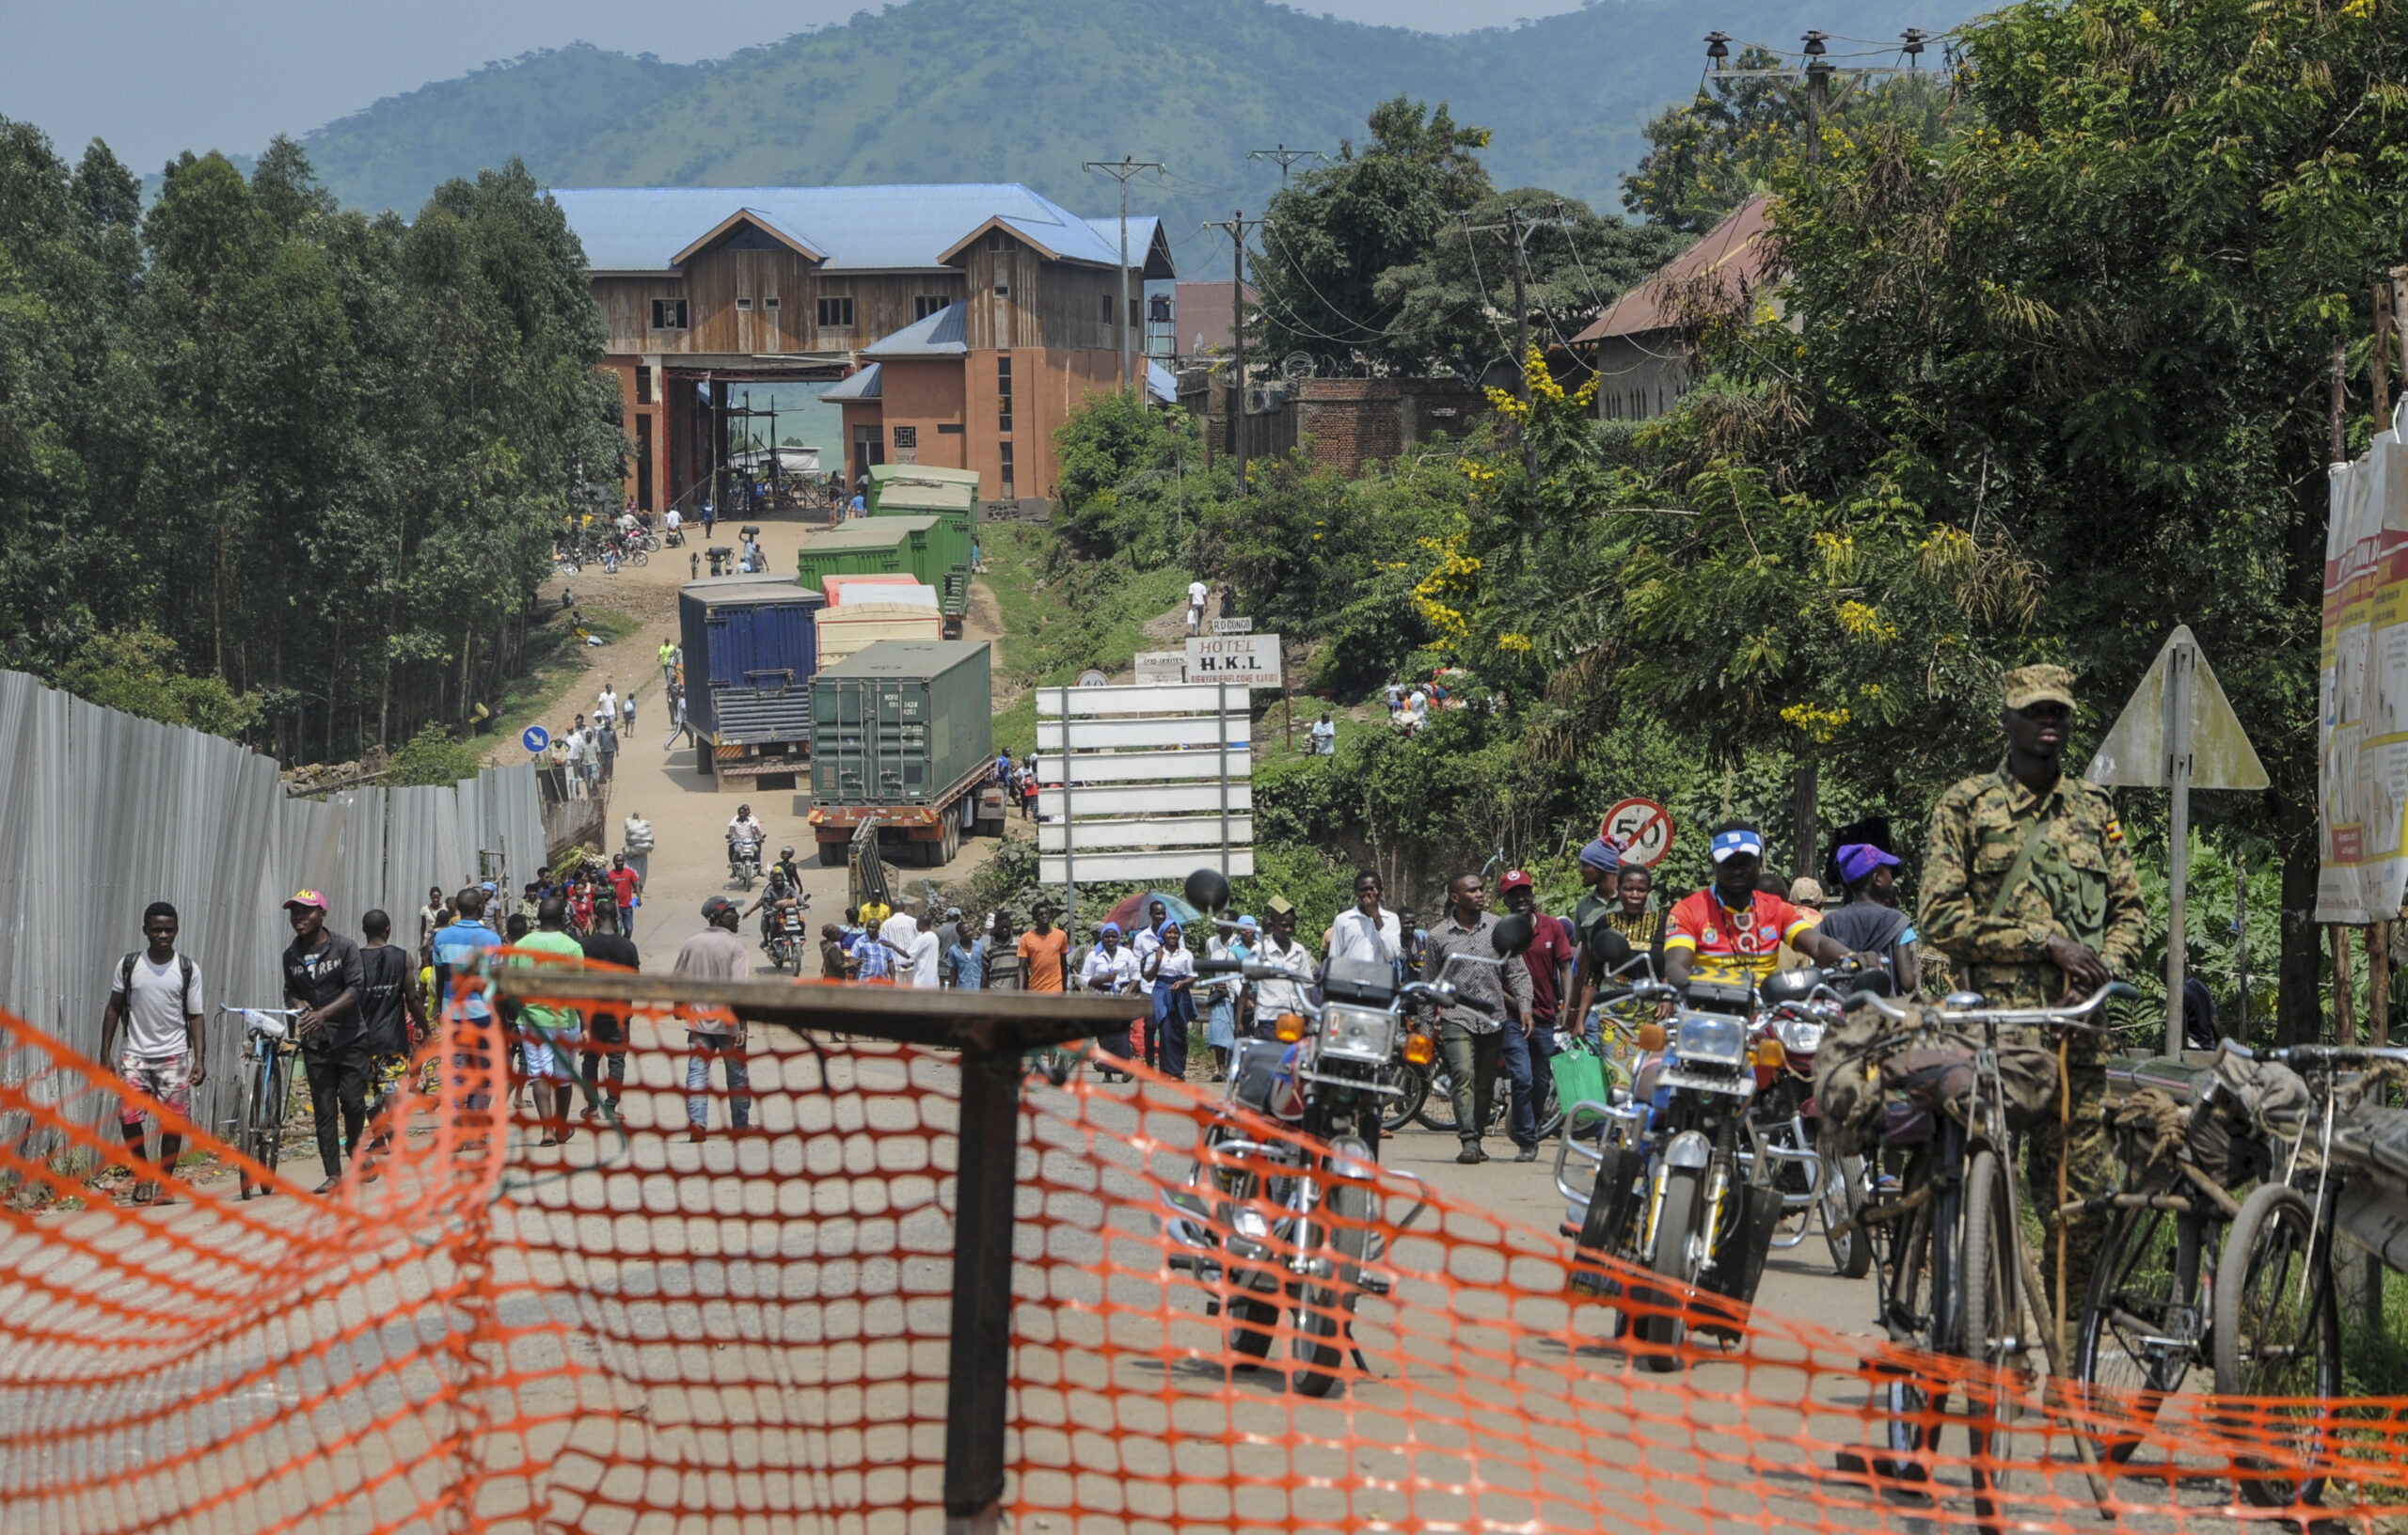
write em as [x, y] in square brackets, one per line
[2088, 1152]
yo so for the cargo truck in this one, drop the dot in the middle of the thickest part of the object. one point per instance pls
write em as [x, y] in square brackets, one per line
[950, 496]
[902, 736]
[751, 649]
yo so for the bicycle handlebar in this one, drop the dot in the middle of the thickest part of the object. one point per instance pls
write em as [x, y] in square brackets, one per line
[2069, 1016]
[2319, 1055]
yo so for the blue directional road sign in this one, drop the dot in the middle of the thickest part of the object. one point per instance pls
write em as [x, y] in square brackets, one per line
[536, 739]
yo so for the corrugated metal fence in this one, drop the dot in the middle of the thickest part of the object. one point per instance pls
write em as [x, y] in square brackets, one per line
[101, 814]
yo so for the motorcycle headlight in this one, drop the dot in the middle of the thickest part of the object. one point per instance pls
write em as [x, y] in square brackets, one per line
[1249, 1222]
[1802, 1035]
[1357, 1034]
[1711, 1040]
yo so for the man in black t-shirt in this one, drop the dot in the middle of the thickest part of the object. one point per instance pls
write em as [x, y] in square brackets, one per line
[321, 977]
[605, 1030]
[1871, 921]
[393, 1013]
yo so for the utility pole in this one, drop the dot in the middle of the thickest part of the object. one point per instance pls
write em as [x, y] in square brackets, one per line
[1286, 157]
[1817, 73]
[1237, 223]
[1516, 230]
[1120, 171]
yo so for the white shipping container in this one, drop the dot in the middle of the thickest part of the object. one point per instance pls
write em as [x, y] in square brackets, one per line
[877, 591]
[846, 631]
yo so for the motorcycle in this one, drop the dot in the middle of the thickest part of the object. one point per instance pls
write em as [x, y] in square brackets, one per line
[743, 862]
[784, 942]
[1275, 1222]
[1675, 1191]
[1826, 1184]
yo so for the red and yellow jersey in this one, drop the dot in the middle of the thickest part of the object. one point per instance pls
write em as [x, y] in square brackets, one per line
[1733, 946]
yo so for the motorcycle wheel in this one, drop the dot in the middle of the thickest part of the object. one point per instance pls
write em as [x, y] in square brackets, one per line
[1414, 1082]
[1658, 1335]
[639, 556]
[1251, 1324]
[1843, 1193]
[1324, 1328]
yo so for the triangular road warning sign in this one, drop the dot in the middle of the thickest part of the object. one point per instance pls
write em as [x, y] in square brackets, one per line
[2136, 754]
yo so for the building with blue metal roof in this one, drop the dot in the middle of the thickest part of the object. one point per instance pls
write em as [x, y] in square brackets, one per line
[986, 311]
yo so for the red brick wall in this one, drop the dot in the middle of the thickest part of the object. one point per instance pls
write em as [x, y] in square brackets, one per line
[1351, 420]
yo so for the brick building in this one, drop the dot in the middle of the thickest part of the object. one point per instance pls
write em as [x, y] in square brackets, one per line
[967, 321]
[1347, 421]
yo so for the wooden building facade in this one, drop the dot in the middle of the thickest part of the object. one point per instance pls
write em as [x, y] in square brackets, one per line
[966, 322]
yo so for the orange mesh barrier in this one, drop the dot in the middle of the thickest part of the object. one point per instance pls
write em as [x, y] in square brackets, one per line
[641, 1332]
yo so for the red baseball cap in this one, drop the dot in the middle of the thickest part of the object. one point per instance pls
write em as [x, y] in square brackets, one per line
[1515, 879]
[306, 897]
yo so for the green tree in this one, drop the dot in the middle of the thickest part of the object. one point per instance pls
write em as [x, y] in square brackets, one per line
[1328, 237]
[1708, 156]
[136, 670]
[1453, 307]
[2098, 329]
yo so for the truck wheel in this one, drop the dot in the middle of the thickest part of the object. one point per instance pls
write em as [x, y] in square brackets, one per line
[831, 855]
[952, 843]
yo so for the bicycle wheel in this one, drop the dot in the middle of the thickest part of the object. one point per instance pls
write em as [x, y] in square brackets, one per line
[1993, 1332]
[1843, 1193]
[1325, 1324]
[2143, 1328]
[2277, 1333]
[1437, 1110]
[279, 1102]
[639, 556]
[246, 1137]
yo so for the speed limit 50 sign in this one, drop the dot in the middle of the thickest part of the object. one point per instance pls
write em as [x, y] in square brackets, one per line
[1641, 829]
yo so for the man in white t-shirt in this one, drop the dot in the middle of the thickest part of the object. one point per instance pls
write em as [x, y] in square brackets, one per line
[1279, 947]
[156, 993]
[1197, 593]
[1366, 930]
[924, 967]
[606, 705]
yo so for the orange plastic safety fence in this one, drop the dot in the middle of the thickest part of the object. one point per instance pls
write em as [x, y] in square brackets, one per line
[646, 1329]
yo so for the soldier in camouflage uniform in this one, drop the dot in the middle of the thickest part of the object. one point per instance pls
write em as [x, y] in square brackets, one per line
[2028, 888]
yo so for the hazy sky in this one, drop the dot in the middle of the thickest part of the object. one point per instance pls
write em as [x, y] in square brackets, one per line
[156, 76]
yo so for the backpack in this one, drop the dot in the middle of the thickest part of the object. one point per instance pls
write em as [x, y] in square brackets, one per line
[183, 965]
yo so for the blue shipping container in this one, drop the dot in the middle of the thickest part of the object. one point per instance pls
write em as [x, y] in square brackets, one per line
[751, 651]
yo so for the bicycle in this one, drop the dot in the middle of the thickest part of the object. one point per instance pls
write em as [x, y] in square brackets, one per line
[2146, 1322]
[268, 1048]
[2278, 1319]
[1960, 1277]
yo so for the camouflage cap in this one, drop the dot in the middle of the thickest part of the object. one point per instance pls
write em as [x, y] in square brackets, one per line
[2027, 685]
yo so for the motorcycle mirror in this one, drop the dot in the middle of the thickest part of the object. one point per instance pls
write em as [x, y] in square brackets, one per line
[1207, 890]
[1651, 1037]
[1512, 935]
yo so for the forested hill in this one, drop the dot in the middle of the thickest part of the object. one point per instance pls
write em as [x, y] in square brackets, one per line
[1026, 90]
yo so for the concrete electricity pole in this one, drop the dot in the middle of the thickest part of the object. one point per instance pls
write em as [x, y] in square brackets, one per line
[1237, 223]
[1286, 157]
[1120, 171]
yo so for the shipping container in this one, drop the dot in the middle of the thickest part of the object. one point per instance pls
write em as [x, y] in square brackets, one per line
[908, 590]
[868, 546]
[902, 735]
[846, 631]
[951, 495]
[751, 649]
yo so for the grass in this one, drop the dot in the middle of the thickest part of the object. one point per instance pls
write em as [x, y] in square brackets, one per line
[557, 660]
[1057, 625]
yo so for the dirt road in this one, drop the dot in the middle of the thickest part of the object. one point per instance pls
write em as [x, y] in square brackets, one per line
[688, 811]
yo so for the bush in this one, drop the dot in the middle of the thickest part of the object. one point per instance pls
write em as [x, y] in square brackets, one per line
[431, 756]
[134, 670]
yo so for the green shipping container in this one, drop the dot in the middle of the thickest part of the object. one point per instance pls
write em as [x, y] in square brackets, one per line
[902, 490]
[920, 547]
[901, 722]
